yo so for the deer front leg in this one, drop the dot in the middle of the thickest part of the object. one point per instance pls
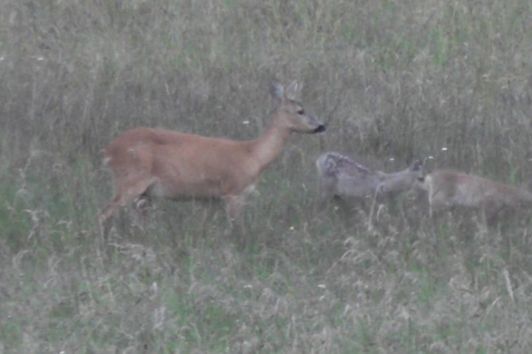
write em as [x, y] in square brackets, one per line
[233, 206]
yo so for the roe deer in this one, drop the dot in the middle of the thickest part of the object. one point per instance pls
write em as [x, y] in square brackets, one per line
[163, 163]
[340, 176]
[450, 189]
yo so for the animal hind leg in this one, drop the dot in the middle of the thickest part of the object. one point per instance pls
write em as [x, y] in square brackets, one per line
[123, 197]
[142, 204]
[372, 212]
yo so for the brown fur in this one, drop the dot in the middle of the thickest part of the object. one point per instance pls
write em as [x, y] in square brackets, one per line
[169, 164]
[449, 189]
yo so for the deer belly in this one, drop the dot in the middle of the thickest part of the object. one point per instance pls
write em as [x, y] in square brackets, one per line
[352, 188]
[199, 188]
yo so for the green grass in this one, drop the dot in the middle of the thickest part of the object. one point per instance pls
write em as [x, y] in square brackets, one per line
[171, 289]
[392, 81]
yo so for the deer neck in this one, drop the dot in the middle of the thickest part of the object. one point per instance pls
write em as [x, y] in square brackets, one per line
[270, 144]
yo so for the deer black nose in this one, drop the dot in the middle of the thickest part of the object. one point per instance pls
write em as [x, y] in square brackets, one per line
[320, 128]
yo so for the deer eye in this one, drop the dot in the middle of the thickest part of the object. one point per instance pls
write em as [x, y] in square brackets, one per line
[301, 111]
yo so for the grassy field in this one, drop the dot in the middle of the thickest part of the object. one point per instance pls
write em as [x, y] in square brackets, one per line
[394, 80]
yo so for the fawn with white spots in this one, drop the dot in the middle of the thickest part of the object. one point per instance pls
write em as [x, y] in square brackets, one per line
[340, 176]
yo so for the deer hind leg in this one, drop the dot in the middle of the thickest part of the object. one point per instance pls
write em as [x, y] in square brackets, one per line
[375, 210]
[125, 195]
[143, 204]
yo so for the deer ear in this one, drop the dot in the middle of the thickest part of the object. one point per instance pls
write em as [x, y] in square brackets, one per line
[277, 91]
[293, 90]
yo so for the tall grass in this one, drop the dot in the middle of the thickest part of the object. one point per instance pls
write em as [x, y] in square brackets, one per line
[395, 81]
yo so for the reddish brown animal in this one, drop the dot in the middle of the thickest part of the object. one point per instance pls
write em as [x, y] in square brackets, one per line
[450, 189]
[148, 162]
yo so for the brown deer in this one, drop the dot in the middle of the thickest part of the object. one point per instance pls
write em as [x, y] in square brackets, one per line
[150, 162]
[340, 176]
[448, 189]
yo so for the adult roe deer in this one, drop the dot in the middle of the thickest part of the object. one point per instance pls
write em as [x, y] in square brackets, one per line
[340, 176]
[449, 189]
[148, 162]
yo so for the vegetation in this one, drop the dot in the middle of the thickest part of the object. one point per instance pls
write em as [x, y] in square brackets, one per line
[395, 81]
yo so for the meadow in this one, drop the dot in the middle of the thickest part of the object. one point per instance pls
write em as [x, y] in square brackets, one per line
[446, 81]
